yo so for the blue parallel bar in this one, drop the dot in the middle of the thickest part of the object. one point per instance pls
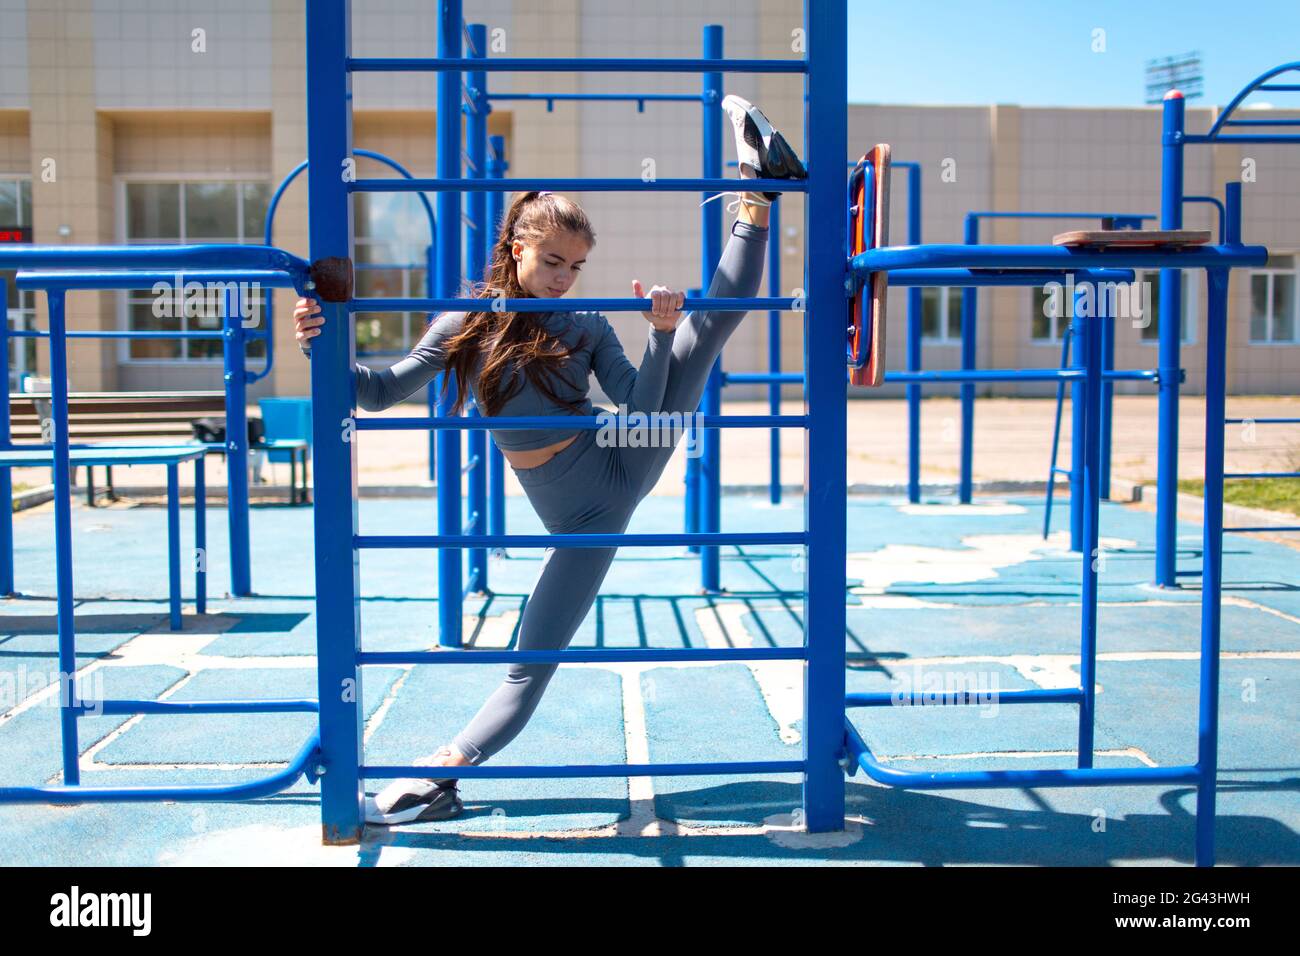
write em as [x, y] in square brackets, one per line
[1054, 258]
[1262, 421]
[236, 447]
[176, 279]
[914, 336]
[570, 64]
[200, 537]
[523, 771]
[63, 538]
[450, 583]
[639, 98]
[1078, 422]
[6, 479]
[1067, 695]
[452, 542]
[174, 546]
[1052, 469]
[273, 706]
[477, 242]
[760, 378]
[1264, 528]
[969, 359]
[454, 184]
[826, 396]
[305, 761]
[860, 756]
[1262, 122]
[335, 515]
[116, 334]
[576, 422]
[955, 375]
[225, 256]
[593, 656]
[1216, 349]
[709, 493]
[773, 349]
[496, 461]
[1092, 557]
[998, 278]
[565, 305]
[1170, 361]
[1263, 474]
[1193, 138]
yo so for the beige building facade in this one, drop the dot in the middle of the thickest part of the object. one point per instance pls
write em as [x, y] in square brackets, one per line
[174, 121]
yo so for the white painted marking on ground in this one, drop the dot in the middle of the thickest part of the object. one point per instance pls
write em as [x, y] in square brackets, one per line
[991, 509]
[263, 845]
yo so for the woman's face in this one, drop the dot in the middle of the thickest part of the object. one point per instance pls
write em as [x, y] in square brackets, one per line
[549, 269]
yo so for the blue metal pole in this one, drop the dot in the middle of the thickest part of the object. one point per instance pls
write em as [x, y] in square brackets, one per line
[431, 391]
[497, 167]
[1207, 751]
[1171, 301]
[1056, 436]
[1107, 404]
[826, 393]
[710, 492]
[1081, 334]
[235, 379]
[774, 345]
[6, 476]
[174, 546]
[1092, 557]
[63, 537]
[969, 311]
[475, 236]
[450, 600]
[693, 476]
[200, 537]
[914, 341]
[333, 362]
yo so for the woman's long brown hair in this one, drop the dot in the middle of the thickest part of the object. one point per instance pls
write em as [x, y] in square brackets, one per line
[514, 339]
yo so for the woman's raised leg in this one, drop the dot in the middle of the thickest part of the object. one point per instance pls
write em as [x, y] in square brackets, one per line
[698, 342]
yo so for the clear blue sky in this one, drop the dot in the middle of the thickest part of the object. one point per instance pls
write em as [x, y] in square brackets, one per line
[1039, 52]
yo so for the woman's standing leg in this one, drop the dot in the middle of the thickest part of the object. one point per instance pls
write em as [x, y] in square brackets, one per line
[565, 590]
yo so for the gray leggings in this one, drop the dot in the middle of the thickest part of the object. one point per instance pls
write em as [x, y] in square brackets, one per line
[593, 488]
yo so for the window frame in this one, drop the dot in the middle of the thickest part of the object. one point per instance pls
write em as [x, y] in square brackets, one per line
[1271, 271]
[1191, 279]
[946, 319]
[122, 308]
[22, 316]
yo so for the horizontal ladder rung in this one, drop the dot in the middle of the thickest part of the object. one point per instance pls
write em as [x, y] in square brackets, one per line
[429, 541]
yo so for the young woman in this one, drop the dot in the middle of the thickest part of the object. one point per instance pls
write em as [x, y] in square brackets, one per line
[539, 363]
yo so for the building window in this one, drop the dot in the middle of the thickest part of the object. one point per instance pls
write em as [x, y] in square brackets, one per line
[392, 249]
[16, 211]
[1189, 320]
[941, 314]
[1049, 316]
[1273, 316]
[200, 211]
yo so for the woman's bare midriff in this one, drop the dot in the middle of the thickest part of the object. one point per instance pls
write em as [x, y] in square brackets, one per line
[533, 457]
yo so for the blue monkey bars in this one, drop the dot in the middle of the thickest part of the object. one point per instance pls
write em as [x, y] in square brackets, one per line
[1173, 141]
[338, 544]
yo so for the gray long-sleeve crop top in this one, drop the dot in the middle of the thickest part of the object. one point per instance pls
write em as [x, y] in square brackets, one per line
[602, 354]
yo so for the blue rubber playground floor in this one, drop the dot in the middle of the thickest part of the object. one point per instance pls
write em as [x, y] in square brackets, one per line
[936, 591]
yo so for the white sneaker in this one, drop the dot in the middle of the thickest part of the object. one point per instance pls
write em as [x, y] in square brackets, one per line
[760, 148]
